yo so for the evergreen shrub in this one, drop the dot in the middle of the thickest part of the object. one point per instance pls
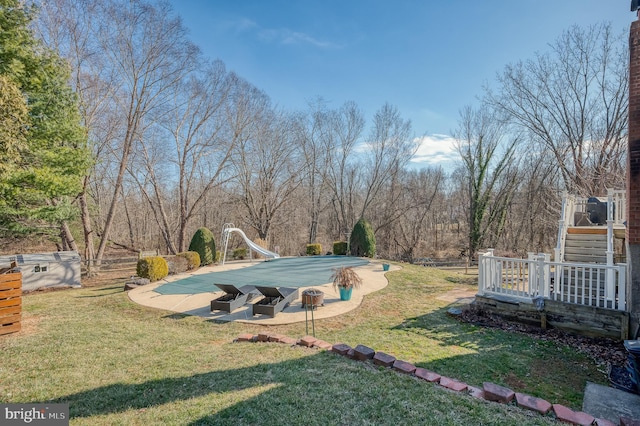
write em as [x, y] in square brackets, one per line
[193, 259]
[340, 248]
[204, 244]
[363, 240]
[155, 268]
[314, 249]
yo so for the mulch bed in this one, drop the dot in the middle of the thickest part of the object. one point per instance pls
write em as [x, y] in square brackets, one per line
[604, 351]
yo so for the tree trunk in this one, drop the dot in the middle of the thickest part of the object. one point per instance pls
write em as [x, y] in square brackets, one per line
[89, 252]
[68, 242]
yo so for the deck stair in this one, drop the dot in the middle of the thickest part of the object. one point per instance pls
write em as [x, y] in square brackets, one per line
[589, 227]
[587, 235]
[586, 246]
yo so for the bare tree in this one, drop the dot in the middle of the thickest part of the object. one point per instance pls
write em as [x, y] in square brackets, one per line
[314, 134]
[388, 150]
[574, 100]
[264, 161]
[187, 151]
[126, 56]
[147, 48]
[532, 220]
[345, 128]
[268, 172]
[418, 190]
[489, 173]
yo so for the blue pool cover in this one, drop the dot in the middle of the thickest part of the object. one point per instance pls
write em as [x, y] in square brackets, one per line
[283, 272]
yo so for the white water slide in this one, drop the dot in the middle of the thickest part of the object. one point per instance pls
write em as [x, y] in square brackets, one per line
[226, 232]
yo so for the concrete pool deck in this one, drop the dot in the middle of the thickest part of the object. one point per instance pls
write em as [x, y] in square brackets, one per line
[199, 304]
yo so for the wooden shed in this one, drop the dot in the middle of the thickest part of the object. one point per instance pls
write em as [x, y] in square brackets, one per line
[41, 270]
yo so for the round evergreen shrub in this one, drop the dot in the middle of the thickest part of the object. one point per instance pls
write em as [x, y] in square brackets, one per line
[363, 241]
[204, 244]
[155, 268]
[193, 259]
[340, 248]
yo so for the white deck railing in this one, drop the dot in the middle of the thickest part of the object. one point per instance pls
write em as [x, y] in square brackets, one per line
[596, 285]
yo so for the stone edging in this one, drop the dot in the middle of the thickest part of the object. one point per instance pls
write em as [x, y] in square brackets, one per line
[488, 392]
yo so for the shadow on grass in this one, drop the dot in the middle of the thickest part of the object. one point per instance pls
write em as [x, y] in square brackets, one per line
[119, 397]
[448, 332]
[260, 394]
[104, 291]
[176, 316]
[318, 389]
[475, 354]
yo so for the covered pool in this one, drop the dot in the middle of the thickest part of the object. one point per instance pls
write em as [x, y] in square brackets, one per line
[283, 272]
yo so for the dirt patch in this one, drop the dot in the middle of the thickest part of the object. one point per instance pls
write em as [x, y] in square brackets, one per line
[30, 324]
[603, 351]
[109, 277]
[514, 382]
[458, 296]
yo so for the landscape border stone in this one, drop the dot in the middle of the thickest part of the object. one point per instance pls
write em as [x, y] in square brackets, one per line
[383, 359]
[490, 392]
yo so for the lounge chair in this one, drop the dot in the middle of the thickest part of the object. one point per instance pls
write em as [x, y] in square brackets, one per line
[233, 298]
[275, 300]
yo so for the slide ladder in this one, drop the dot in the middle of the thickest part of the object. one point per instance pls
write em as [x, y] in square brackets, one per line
[228, 228]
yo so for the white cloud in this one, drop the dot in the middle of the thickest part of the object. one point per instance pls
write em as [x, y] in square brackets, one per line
[434, 150]
[286, 36]
[276, 35]
[240, 25]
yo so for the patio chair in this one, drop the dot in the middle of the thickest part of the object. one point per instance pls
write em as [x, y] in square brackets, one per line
[234, 297]
[275, 300]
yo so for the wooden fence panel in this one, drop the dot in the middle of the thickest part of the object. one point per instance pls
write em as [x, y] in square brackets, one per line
[10, 302]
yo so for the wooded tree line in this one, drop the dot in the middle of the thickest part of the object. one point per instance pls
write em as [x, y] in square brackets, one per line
[175, 141]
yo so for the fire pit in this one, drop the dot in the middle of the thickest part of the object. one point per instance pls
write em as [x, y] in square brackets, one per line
[313, 298]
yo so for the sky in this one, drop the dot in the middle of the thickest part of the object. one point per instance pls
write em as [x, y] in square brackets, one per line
[428, 58]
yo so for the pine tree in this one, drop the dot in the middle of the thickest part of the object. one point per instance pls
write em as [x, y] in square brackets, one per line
[47, 161]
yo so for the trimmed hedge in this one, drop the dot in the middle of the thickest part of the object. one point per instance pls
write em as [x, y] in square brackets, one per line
[314, 249]
[193, 259]
[155, 268]
[204, 244]
[363, 240]
[340, 248]
[177, 264]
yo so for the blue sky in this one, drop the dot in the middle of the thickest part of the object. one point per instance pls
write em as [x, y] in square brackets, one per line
[429, 58]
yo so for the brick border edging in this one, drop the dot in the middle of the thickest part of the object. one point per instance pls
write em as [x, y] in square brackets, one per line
[489, 391]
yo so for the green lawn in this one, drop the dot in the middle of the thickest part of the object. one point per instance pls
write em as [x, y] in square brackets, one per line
[116, 362]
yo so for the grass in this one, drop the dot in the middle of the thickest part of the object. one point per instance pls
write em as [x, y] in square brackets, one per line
[116, 362]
